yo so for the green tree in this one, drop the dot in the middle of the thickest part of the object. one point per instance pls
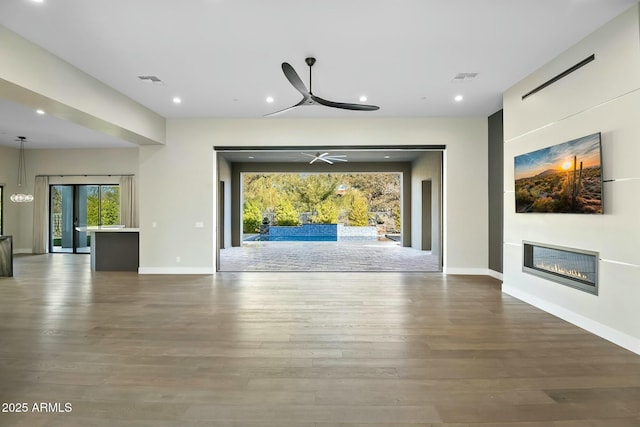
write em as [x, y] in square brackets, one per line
[110, 206]
[359, 215]
[251, 217]
[314, 189]
[327, 212]
[103, 206]
[265, 190]
[286, 214]
[382, 190]
[93, 206]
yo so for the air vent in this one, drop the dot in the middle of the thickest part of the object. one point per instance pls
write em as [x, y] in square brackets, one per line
[151, 79]
[464, 77]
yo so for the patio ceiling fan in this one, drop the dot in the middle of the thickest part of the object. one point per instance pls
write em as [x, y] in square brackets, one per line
[308, 98]
[325, 157]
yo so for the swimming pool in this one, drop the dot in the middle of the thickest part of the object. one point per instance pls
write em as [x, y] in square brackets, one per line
[316, 233]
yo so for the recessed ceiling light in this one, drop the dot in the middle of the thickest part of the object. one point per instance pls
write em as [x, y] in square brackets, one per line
[458, 98]
[251, 157]
[363, 98]
[270, 99]
[38, 1]
[387, 157]
[40, 112]
[177, 100]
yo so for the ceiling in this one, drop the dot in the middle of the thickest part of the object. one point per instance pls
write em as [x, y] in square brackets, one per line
[223, 57]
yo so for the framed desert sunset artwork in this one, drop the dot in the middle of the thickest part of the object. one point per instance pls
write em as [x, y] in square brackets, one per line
[564, 178]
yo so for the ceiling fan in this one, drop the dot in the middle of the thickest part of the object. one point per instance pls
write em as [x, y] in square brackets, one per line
[325, 157]
[308, 98]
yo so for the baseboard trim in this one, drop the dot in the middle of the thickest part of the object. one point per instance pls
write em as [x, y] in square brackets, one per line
[468, 271]
[176, 270]
[603, 331]
[494, 274]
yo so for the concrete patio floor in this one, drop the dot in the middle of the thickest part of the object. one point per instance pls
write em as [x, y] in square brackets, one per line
[327, 256]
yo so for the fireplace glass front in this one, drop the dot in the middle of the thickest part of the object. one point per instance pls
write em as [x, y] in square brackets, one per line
[572, 267]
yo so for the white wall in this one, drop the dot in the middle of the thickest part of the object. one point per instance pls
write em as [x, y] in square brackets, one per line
[603, 96]
[68, 162]
[177, 180]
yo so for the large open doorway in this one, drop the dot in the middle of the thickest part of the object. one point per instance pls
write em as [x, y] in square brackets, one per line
[418, 244]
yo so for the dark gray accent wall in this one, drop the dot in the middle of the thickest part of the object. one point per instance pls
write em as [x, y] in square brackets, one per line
[496, 190]
[426, 215]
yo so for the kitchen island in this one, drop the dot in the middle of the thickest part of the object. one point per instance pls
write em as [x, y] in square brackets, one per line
[114, 248]
[6, 256]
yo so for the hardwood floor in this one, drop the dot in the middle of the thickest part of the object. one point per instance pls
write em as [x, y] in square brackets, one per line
[296, 350]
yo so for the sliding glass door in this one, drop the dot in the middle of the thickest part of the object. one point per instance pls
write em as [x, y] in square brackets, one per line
[75, 207]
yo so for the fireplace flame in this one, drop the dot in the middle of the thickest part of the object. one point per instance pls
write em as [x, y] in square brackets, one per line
[555, 268]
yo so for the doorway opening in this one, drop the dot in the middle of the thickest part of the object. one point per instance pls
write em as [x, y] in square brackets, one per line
[418, 241]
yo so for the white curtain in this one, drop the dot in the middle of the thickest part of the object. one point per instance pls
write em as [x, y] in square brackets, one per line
[41, 215]
[128, 202]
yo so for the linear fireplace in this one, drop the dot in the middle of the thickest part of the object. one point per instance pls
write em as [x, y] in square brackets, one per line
[572, 267]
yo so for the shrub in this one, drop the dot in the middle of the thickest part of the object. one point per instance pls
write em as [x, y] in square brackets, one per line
[251, 218]
[396, 216]
[327, 212]
[359, 215]
[544, 204]
[286, 214]
[523, 197]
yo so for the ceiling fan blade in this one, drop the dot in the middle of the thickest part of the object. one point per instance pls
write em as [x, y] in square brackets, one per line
[294, 79]
[344, 105]
[314, 160]
[338, 155]
[275, 113]
[322, 155]
[324, 159]
[336, 159]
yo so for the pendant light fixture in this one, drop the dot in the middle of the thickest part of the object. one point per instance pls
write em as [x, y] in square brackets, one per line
[20, 197]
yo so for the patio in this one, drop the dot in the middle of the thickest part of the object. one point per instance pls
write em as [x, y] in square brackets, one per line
[327, 256]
